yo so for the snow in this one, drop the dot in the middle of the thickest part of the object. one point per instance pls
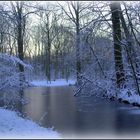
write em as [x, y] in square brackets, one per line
[14, 60]
[58, 82]
[9, 73]
[129, 95]
[13, 126]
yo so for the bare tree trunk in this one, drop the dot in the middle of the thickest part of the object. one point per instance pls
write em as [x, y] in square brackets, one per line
[115, 9]
[48, 51]
[56, 64]
[78, 60]
[1, 43]
[49, 58]
[20, 39]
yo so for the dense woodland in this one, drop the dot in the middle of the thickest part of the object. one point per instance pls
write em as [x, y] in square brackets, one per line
[96, 43]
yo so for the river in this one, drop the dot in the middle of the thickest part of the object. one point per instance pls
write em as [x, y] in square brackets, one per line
[80, 117]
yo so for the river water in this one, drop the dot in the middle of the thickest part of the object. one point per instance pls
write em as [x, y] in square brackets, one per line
[80, 117]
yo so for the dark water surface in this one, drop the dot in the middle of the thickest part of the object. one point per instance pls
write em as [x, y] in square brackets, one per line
[80, 117]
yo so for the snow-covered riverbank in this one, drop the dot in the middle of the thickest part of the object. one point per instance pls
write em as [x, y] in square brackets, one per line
[13, 126]
[126, 96]
[58, 82]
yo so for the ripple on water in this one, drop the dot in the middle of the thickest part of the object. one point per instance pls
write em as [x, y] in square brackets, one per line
[135, 112]
[127, 108]
[131, 110]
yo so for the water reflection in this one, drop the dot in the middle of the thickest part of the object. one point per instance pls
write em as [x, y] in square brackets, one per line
[79, 117]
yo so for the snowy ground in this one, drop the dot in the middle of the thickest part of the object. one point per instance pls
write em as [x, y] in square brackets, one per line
[58, 82]
[13, 126]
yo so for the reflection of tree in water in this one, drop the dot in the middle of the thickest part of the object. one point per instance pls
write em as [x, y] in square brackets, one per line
[123, 125]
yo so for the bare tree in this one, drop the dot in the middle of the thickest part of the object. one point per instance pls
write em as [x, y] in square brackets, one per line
[76, 13]
[129, 47]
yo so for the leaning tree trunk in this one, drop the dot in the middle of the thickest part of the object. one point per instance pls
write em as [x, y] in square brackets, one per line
[115, 10]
